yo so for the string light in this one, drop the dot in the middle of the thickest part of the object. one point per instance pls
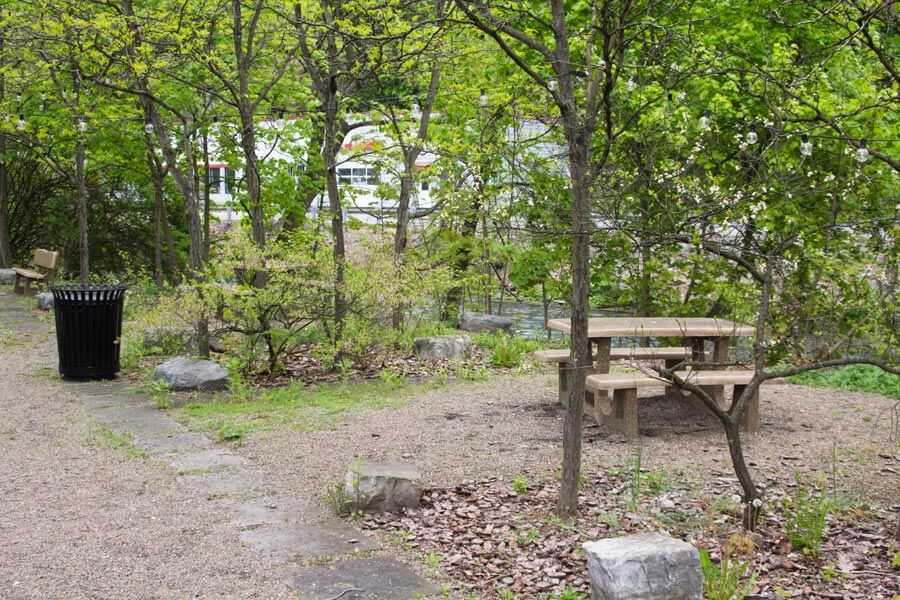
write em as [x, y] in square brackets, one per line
[148, 126]
[704, 121]
[631, 84]
[82, 124]
[805, 145]
[19, 98]
[483, 99]
[752, 138]
[552, 85]
[21, 124]
[862, 153]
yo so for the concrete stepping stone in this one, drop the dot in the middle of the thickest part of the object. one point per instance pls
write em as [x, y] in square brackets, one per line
[226, 483]
[113, 401]
[371, 578]
[210, 458]
[172, 442]
[267, 510]
[96, 388]
[283, 543]
[139, 420]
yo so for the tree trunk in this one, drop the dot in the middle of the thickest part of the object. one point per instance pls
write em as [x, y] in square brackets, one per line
[751, 494]
[337, 217]
[206, 199]
[251, 166]
[81, 212]
[6, 258]
[578, 305]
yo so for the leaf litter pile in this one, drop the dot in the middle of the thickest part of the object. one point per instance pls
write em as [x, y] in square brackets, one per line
[492, 542]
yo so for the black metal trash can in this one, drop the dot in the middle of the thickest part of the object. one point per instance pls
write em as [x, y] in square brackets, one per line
[88, 328]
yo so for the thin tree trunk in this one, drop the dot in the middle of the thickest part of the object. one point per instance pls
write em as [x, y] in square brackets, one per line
[206, 199]
[6, 259]
[81, 212]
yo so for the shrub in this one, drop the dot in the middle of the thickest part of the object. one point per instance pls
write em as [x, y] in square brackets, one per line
[725, 581]
[805, 515]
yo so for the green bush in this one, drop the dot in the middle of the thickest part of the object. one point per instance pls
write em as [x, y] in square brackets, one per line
[854, 378]
[507, 351]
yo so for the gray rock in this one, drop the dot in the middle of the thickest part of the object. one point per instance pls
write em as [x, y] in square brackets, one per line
[383, 486]
[44, 301]
[442, 346]
[7, 276]
[476, 322]
[647, 566]
[183, 373]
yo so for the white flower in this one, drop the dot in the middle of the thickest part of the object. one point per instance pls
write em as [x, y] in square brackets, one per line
[757, 502]
[829, 177]
[736, 499]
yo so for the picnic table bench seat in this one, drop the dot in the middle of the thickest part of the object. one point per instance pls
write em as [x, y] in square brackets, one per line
[560, 357]
[621, 412]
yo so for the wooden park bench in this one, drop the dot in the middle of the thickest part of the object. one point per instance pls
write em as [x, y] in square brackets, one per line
[44, 272]
[672, 356]
[621, 413]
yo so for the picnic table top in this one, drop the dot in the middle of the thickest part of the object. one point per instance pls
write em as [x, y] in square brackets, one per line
[607, 327]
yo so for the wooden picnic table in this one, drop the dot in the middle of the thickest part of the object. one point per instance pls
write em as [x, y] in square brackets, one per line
[695, 330]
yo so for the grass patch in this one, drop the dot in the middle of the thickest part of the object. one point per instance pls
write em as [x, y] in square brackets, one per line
[296, 406]
[106, 438]
[854, 378]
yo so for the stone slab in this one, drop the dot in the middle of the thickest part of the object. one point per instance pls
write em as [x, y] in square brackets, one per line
[171, 442]
[284, 543]
[268, 510]
[138, 420]
[375, 578]
[239, 481]
[115, 400]
[209, 458]
[96, 388]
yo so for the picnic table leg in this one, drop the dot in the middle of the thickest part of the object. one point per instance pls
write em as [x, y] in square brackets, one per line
[750, 420]
[563, 382]
[720, 355]
[625, 415]
[600, 400]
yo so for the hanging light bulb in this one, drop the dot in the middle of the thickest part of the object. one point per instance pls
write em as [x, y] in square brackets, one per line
[632, 83]
[82, 124]
[752, 138]
[483, 99]
[148, 126]
[862, 153]
[805, 146]
[704, 121]
[552, 84]
[21, 124]
[19, 98]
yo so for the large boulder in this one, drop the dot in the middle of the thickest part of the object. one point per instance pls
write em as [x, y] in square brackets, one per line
[647, 566]
[184, 373]
[44, 301]
[7, 276]
[383, 486]
[477, 322]
[442, 346]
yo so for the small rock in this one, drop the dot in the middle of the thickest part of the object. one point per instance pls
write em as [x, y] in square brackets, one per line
[7, 276]
[647, 566]
[442, 347]
[383, 486]
[665, 502]
[184, 373]
[477, 322]
[44, 301]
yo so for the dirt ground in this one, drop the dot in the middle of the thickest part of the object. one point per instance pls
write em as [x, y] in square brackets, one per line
[511, 425]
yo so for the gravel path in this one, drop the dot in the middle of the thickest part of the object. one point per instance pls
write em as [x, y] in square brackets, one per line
[80, 520]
